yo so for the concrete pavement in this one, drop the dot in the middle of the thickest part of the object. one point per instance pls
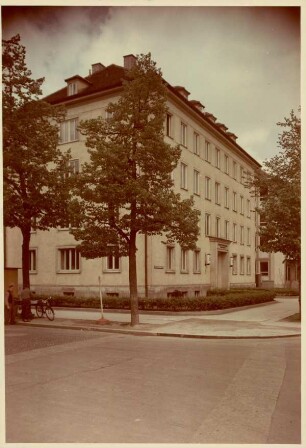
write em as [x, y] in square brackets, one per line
[261, 321]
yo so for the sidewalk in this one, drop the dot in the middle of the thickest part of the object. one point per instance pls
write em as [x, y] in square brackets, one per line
[261, 321]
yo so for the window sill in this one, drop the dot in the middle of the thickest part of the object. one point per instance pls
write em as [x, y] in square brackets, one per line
[184, 272]
[77, 271]
[112, 271]
[170, 271]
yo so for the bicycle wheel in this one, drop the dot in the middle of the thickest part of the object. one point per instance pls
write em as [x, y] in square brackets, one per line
[39, 310]
[49, 313]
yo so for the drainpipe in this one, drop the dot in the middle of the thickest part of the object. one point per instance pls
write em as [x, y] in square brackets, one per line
[146, 265]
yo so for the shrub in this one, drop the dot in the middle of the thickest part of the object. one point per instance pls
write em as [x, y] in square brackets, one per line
[212, 302]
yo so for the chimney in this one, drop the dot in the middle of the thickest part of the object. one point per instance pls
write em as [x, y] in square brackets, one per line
[198, 105]
[98, 67]
[129, 61]
[182, 91]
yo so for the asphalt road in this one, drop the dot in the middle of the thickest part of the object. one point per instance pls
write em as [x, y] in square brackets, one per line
[68, 386]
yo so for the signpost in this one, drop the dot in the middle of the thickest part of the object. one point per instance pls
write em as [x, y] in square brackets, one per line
[101, 320]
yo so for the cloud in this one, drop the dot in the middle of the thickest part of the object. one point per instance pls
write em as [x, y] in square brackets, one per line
[242, 63]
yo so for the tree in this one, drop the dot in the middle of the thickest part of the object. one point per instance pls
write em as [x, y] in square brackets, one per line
[126, 188]
[35, 190]
[280, 200]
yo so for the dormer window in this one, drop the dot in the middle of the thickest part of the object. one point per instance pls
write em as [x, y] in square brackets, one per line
[72, 88]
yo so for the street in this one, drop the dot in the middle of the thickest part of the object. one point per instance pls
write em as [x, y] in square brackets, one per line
[69, 386]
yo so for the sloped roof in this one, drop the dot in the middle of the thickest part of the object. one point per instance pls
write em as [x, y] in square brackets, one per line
[108, 78]
[113, 76]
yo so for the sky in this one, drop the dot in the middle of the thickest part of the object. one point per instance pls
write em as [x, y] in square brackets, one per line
[242, 63]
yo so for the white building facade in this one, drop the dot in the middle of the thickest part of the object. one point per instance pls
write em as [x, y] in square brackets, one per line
[213, 168]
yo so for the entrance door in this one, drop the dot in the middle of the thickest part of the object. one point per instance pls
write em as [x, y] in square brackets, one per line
[222, 270]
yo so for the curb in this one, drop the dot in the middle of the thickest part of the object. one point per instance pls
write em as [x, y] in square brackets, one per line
[153, 333]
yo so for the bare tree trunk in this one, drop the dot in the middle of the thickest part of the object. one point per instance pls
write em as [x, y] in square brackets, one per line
[26, 235]
[133, 280]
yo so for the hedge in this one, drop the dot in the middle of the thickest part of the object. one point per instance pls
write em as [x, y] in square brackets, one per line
[211, 302]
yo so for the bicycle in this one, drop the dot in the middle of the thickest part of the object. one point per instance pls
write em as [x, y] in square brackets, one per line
[43, 306]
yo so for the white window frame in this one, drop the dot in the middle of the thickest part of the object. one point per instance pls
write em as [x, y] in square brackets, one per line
[235, 264]
[72, 88]
[217, 193]
[248, 266]
[242, 265]
[226, 229]
[248, 205]
[169, 125]
[226, 197]
[68, 131]
[112, 263]
[184, 176]
[196, 143]
[207, 151]
[196, 182]
[241, 174]
[234, 201]
[242, 235]
[170, 258]
[234, 170]
[207, 224]
[208, 188]
[74, 259]
[184, 260]
[234, 232]
[241, 205]
[33, 260]
[197, 261]
[218, 227]
[217, 158]
[184, 134]
[226, 164]
[248, 236]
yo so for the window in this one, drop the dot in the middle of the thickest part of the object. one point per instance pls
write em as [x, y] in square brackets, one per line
[248, 236]
[183, 134]
[196, 182]
[241, 205]
[32, 260]
[170, 258]
[248, 205]
[169, 125]
[226, 230]
[207, 224]
[68, 131]
[217, 158]
[235, 269]
[207, 188]
[241, 235]
[74, 166]
[264, 270]
[72, 89]
[235, 232]
[207, 152]
[69, 260]
[184, 260]
[234, 169]
[184, 176]
[196, 262]
[241, 174]
[196, 143]
[112, 263]
[248, 265]
[226, 197]
[217, 193]
[241, 265]
[218, 224]
[226, 164]
[234, 201]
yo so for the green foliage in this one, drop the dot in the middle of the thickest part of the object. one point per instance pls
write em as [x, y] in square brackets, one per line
[280, 186]
[216, 302]
[35, 190]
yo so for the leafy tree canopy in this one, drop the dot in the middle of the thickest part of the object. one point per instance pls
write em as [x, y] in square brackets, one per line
[280, 186]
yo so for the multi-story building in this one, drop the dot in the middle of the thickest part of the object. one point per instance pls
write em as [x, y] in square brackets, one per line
[213, 168]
